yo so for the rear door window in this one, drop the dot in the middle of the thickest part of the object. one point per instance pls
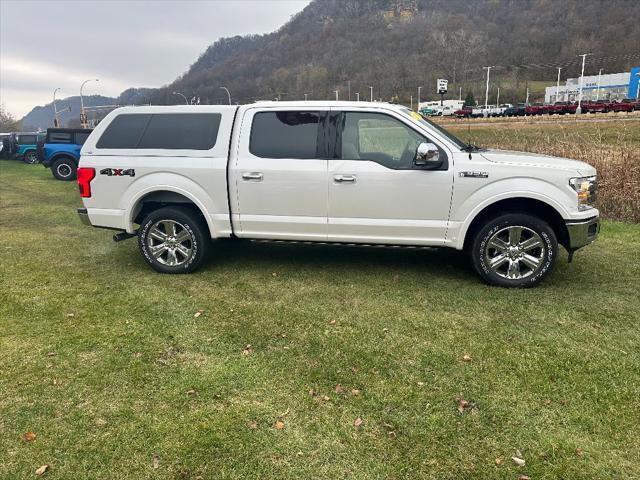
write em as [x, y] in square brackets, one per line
[286, 134]
[59, 137]
[27, 140]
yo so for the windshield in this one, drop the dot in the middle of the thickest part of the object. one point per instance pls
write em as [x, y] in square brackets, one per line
[420, 119]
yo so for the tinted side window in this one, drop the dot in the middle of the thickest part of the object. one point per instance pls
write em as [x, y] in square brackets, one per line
[59, 137]
[285, 135]
[27, 139]
[124, 131]
[81, 138]
[190, 131]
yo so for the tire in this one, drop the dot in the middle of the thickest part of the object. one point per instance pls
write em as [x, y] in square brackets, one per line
[64, 169]
[169, 225]
[30, 157]
[524, 263]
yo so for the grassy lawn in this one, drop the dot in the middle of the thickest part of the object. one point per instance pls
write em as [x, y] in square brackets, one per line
[111, 368]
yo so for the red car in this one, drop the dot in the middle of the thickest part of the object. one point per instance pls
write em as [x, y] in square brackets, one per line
[464, 112]
[626, 105]
[602, 106]
[536, 109]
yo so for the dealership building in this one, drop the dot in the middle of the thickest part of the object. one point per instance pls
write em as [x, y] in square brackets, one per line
[610, 86]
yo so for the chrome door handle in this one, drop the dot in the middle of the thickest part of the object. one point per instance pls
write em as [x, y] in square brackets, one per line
[344, 178]
[252, 176]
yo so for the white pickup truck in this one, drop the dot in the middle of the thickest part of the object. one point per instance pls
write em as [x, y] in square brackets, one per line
[344, 172]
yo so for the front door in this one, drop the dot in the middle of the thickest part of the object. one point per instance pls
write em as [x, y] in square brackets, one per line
[280, 176]
[376, 194]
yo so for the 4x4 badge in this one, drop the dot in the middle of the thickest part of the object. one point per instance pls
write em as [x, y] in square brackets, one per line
[474, 174]
[118, 172]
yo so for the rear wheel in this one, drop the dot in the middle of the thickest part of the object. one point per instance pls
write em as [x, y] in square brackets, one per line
[30, 157]
[514, 250]
[64, 169]
[173, 240]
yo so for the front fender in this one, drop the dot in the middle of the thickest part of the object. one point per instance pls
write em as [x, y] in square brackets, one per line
[536, 189]
[167, 182]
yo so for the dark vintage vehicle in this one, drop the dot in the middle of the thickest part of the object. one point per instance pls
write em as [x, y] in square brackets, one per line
[60, 151]
[515, 110]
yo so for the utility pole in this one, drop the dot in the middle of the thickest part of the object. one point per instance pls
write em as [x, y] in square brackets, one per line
[371, 88]
[579, 109]
[486, 95]
[526, 102]
[228, 94]
[357, 96]
[418, 108]
[83, 116]
[598, 88]
[558, 85]
[56, 122]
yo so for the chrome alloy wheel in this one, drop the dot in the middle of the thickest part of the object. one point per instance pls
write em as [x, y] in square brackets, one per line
[170, 242]
[31, 157]
[515, 252]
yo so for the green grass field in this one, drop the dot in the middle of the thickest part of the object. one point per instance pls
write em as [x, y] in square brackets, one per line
[305, 361]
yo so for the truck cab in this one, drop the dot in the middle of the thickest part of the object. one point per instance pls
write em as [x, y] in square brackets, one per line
[341, 172]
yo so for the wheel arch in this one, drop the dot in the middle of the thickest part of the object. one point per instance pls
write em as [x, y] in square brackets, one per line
[151, 200]
[526, 205]
[60, 155]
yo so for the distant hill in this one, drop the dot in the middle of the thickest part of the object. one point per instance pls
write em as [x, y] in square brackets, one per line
[42, 116]
[398, 45]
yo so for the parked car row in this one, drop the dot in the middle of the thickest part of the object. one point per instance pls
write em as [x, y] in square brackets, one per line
[20, 146]
[538, 108]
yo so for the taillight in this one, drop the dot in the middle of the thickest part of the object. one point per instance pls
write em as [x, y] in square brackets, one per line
[85, 175]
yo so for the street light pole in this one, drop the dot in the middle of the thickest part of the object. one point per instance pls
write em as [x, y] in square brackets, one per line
[186, 102]
[336, 92]
[411, 102]
[228, 94]
[598, 87]
[558, 85]
[357, 96]
[418, 106]
[486, 95]
[371, 88]
[83, 115]
[498, 98]
[56, 122]
[306, 96]
[584, 57]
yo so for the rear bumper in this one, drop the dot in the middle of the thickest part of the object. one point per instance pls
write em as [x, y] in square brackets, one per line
[582, 232]
[84, 216]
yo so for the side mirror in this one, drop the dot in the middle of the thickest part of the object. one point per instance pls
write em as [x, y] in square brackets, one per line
[427, 155]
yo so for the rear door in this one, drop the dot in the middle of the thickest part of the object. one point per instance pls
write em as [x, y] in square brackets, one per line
[280, 175]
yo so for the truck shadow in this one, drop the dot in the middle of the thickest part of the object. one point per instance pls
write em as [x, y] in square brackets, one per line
[275, 255]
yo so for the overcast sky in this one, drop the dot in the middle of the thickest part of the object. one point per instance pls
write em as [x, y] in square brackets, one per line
[48, 44]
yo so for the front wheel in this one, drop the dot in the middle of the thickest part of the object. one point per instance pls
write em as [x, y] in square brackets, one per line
[173, 240]
[30, 157]
[64, 169]
[514, 250]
